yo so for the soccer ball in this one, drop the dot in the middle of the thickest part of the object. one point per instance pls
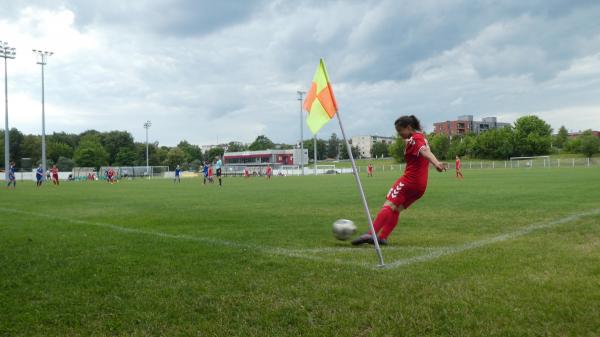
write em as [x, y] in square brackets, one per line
[343, 229]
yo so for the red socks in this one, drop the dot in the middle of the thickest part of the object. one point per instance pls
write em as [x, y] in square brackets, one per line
[385, 222]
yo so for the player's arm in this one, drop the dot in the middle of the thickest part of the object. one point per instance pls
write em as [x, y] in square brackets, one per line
[426, 152]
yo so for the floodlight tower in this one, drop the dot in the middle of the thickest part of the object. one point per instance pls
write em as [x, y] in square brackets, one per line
[7, 53]
[147, 126]
[42, 59]
[300, 96]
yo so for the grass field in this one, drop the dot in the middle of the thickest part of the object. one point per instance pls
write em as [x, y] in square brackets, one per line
[502, 253]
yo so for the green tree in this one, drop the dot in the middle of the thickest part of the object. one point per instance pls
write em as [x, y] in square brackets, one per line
[439, 145]
[214, 152]
[396, 149]
[573, 145]
[126, 157]
[321, 148]
[114, 141]
[344, 152]
[236, 147]
[31, 148]
[175, 157]
[90, 152]
[494, 144]
[532, 137]
[590, 143]
[192, 152]
[261, 143]
[14, 147]
[561, 138]
[65, 164]
[159, 157]
[333, 146]
[56, 150]
[66, 138]
[379, 149]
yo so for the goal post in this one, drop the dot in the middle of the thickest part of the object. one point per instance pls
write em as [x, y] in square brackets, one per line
[83, 173]
[327, 169]
[530, 162]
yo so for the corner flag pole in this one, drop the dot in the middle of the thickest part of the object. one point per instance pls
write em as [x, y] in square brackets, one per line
[362, 193]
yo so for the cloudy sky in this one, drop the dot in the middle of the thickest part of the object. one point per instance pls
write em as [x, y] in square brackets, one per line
[229, 70]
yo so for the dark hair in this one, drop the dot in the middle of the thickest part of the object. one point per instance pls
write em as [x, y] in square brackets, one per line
[406, 121]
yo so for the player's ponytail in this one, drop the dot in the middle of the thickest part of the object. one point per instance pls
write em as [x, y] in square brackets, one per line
[406, 121]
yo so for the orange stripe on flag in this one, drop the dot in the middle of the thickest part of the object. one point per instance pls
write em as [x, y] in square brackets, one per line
[328, 100]
[310, 97]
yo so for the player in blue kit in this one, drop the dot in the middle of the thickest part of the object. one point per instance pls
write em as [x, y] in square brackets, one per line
[205, 171]
[177, 175]
[39, 175]
[12, 179]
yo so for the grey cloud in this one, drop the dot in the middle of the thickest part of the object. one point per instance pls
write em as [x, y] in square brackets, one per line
[232, 72]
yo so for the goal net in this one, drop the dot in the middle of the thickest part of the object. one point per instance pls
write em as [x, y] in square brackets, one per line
[327, 169]
[84, 173]
[529, 162]
[131, 172]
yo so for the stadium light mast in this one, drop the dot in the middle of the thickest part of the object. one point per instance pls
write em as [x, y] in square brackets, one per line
[300, 98]
[7, 53]
[42, 57]
[147, 126]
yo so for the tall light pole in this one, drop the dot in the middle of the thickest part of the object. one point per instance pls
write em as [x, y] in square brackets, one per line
[300, 96]
[42, 60]
[7, 53]
[147, 126]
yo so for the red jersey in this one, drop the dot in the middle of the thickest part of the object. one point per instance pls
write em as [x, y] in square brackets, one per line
[269, 171]
[54, 171]
[458, 164]
[210, 172]
[370, 168]
[417, 166]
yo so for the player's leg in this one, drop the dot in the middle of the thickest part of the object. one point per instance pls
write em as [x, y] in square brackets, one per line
[388, 215]
[409, 198]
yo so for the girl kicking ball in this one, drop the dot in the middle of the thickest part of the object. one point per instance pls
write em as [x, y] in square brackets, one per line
[411, 186]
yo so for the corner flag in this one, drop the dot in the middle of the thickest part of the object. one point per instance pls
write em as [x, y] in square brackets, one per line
[320, 101]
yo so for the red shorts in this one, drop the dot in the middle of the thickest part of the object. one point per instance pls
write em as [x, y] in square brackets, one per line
[405, 195]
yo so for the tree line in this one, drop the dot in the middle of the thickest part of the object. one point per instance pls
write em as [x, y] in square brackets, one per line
[94, 149]
[529, 136]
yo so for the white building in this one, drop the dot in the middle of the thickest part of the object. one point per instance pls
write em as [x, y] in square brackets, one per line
[365, 143]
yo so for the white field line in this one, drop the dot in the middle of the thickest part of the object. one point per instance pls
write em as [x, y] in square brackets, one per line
[485, 242]
[242, 246]
[436, 252]
[368, 249]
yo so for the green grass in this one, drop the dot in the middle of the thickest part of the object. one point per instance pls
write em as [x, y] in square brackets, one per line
[257, 258]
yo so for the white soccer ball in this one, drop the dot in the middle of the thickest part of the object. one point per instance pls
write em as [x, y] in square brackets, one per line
[343, 229]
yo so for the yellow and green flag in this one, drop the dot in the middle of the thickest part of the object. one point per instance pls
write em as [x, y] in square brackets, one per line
[320, 102]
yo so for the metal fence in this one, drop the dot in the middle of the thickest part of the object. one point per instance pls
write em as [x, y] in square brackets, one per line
[505, 164]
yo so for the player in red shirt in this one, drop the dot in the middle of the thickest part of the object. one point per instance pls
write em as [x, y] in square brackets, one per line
[54, 172]
[459, 168]
[210, 174]
[370, 170]
[411, 186]
[111, 176]
[269, 171]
